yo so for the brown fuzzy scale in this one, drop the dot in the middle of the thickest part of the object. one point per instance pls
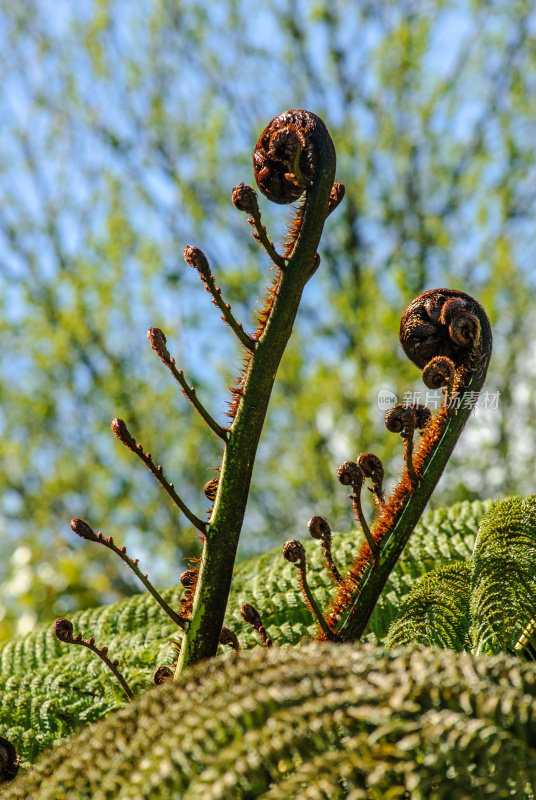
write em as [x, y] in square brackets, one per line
[210, 488]
[237, 388]
[425, 333]
[188, 578]
[386, 520]
[293, 230]
[263, 315]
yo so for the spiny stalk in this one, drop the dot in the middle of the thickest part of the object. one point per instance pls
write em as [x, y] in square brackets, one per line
[85, 531]
[439, 323]
[121, 431]
[63, 630]
[157, 340]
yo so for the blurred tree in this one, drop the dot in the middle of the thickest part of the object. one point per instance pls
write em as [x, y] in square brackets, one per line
[125, 127]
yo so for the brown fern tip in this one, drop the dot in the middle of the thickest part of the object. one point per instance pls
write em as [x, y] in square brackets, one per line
[161, 675]
[250, 615]
[9, 761]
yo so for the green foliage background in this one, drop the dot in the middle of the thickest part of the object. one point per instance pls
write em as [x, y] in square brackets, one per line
[125, 126]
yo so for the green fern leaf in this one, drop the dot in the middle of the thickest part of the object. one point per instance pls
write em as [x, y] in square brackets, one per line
[321, 720]
[48, 688]
[437, 610]
[503, 580]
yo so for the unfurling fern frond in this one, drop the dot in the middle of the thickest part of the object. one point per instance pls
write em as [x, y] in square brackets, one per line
[319, 721]
[485, 603]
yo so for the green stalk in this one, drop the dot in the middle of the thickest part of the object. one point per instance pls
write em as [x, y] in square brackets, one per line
[223, 531]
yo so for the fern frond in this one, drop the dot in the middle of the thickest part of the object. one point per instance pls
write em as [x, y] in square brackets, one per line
[46, 689]
[321, 720]
[503, 580]
[436, 611]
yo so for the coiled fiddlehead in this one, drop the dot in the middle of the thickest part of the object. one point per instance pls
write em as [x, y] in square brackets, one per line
[447, 334]
[283, 160]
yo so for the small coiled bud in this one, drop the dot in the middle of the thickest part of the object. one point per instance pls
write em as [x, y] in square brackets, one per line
[157, 340]
[423, 415]
[120, 430]
[161, 675]
[293, 551]
[63, 629]
[440, 371]
[195, 258]
[463, 324]
[211, 488]
[319, 528]
[400, 419]
[350, 474]
[188, 578]
[82, 529]
[336, 196]
[9, 761]
[372, 467]
[244, 198]
[229, 638]
[250, 615]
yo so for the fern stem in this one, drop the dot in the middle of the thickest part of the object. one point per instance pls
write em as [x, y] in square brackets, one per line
[84, 530]
[197, 259]
[219, 549]
[157, 339]
[353, 619]
[122, 433]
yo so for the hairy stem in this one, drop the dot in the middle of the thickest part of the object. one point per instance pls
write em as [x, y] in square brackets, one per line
[352, 621]
[219, 549]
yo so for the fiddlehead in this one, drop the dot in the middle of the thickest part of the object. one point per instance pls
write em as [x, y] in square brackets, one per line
[294, 553]
[319, 528]
[447, 334]
[373, 468]
[441, 322]
[294, 158]
[284, 157]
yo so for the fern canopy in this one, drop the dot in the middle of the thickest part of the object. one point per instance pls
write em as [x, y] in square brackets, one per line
[48, 688]
[318, 721]
[437, 610]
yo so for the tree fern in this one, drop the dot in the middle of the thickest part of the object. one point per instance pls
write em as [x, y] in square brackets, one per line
[48, 688]
[320, 720]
